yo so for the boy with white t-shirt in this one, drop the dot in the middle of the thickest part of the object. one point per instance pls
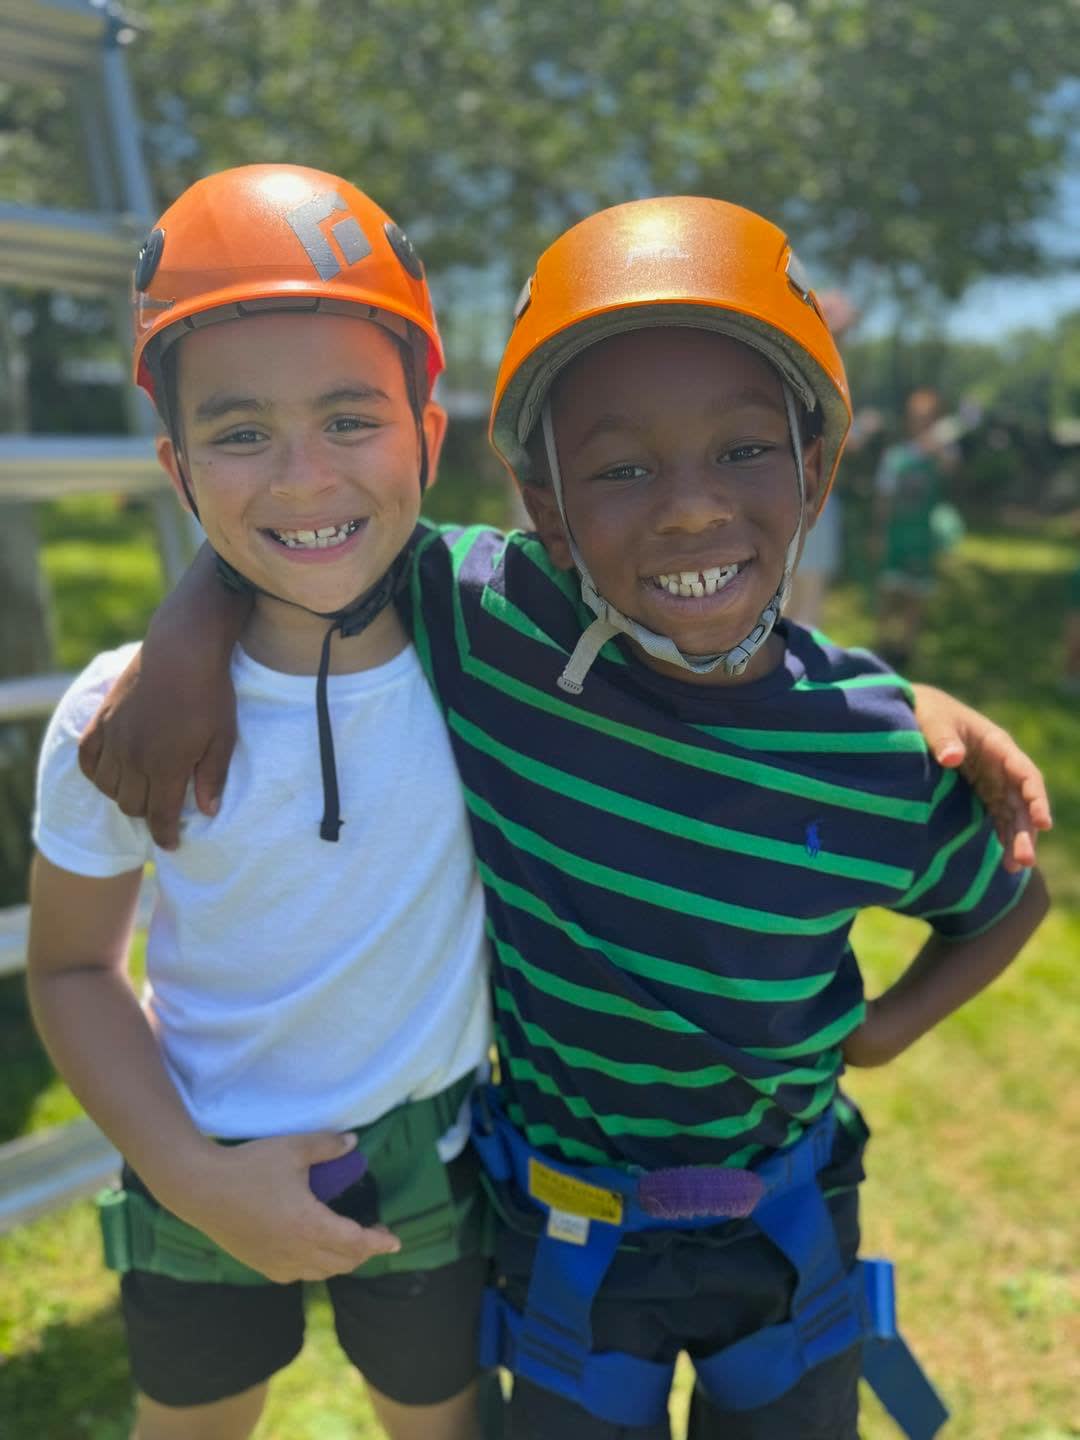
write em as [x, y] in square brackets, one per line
[297, 989]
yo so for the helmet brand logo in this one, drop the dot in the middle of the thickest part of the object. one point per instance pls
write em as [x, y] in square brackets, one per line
[307, 222]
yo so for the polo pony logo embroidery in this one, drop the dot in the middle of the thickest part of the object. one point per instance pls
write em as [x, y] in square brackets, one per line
[813, 839]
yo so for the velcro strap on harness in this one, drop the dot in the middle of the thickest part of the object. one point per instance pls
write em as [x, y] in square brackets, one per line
[139, 1235]
[889, 1367]
[622, 1389]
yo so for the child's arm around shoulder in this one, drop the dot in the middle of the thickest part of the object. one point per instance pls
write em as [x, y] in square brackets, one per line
[171, 715]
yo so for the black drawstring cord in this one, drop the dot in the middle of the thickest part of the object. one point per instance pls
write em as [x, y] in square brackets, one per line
[351, 621]
[331, 823]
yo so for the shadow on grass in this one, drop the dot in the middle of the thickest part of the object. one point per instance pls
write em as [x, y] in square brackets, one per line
[74, 1385]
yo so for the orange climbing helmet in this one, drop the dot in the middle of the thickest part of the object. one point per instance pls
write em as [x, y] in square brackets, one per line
[682, 260]
[264, 237]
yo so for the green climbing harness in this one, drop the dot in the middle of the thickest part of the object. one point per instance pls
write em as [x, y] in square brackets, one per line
[436, 1217]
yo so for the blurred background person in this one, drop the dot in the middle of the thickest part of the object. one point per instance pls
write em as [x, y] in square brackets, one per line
[909, 490]
[822, 553]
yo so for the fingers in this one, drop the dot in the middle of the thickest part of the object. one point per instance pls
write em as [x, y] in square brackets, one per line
[165, 799]
[335, 1245]
[1013, 790]
[1013, 826]
[357, 1243]
[212, 770]
[342, 1256]
[1029, 781]
[1020, 841]
[131, 793]
[323, 1145]
[943, 739]
[350, 1244]
[90, 747]
[1020, 771]
[107, 776]
[949, 752]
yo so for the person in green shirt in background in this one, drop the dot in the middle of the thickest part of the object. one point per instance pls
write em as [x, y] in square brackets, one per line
[908, 492]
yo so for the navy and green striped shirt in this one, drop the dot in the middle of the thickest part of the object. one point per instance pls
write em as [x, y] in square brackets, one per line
[672, 870]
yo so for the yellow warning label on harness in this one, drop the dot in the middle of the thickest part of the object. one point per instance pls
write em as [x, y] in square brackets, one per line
[575, 1197]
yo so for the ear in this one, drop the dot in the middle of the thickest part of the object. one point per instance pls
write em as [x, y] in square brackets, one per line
[543, 508]
[434, 421]
[169, 460]
[814, 481]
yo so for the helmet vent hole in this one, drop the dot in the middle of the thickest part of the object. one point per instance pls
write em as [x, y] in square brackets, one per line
[405, 251]
[149, 259]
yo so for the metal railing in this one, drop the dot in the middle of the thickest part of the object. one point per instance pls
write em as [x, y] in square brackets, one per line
[79, 45]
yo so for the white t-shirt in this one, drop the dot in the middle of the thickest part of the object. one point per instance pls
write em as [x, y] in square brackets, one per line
[294, 984]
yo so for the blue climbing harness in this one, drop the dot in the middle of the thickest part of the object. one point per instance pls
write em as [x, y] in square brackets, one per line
[589, 1210]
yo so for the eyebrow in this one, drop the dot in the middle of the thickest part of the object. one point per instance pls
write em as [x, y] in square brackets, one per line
[613, 422]
[350, 391]
[214, 406]
[223, 403]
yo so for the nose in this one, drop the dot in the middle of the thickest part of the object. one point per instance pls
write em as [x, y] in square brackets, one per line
[303, 470]
[694, 497]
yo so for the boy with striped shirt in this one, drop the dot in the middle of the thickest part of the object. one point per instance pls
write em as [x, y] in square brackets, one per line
[679, 805]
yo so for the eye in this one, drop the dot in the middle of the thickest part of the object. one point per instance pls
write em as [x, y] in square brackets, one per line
[242, 435]
[350, 425]
[625, 471]
[742, 454]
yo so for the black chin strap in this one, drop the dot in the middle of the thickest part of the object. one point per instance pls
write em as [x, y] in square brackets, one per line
[350, 621]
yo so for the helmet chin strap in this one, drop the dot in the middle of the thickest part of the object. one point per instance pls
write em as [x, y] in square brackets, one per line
[611, 621]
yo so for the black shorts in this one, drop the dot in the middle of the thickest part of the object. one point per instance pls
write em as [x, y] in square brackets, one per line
[412, 1333]
[699, 1293]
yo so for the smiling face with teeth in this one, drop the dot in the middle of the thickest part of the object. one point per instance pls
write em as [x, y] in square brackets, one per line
[303, 452]
[679, 484]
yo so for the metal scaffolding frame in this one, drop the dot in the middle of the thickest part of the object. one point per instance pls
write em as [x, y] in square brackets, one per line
[80, 45]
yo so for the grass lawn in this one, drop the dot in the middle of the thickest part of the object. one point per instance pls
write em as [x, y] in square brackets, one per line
[972, 1186]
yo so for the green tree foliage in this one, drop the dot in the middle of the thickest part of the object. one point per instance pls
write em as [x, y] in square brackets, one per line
[1065, 384]
[922, 139]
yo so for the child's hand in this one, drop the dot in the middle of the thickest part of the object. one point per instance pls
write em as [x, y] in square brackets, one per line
[1006, 780]
[143, 747]
[171, 716]
[255, 1201]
